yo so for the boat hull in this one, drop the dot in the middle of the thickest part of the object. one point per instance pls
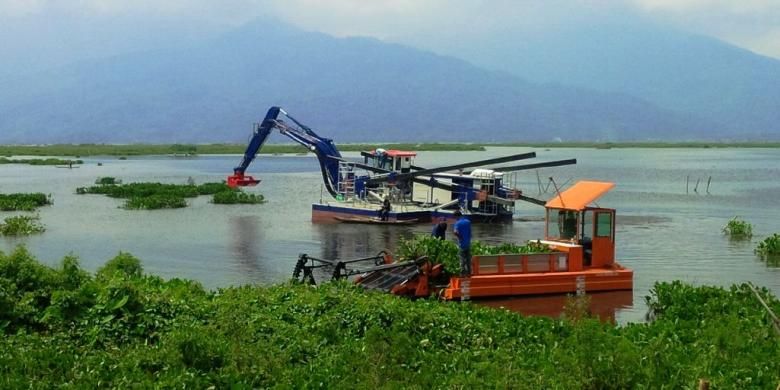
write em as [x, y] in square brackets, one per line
[498, 285]
[331, 212]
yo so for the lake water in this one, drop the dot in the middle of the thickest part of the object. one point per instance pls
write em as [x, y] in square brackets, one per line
[663, 233]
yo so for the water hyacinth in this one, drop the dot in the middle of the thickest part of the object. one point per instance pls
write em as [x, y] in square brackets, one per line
[237, 197]
[769, 249]
[123, 328]
[152, 196]
[737, 228]
[446, 252]
[107, 181]
[23, 202]
[21, 225]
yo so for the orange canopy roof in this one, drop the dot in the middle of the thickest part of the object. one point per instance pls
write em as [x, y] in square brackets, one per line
[580, 195]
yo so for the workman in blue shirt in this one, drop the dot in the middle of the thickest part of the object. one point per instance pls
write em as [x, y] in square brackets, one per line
[440, 229]
[462, 229]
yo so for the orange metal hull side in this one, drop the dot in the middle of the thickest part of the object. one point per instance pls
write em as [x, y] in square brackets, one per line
[595, 279]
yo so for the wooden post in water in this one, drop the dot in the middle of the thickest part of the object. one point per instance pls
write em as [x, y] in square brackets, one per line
[686, 183]
[696, 188]
[539, 182]
[708, 184]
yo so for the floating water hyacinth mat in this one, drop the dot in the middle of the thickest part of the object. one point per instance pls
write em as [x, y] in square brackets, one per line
[151, 196]
[21, 225]
[23, 202]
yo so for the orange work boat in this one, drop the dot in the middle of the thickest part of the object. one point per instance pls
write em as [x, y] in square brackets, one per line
[583, 259]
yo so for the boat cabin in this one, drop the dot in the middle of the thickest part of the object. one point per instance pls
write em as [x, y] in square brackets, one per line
[391, 160]
[582, 239]
[587, 233]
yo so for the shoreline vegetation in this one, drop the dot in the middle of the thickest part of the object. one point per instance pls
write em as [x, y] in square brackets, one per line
[187, 150]
[120, 327]
[41, 161]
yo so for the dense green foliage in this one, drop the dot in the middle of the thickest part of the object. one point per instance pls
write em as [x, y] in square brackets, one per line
[769, 249]
[123, 329]
[152, 196]
[234, 197]
[737, 228]
[446, 252]
[40, 161]
[21, 225]
[23, 202]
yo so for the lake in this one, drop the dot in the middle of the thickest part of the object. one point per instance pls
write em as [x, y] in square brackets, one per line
[663, 232]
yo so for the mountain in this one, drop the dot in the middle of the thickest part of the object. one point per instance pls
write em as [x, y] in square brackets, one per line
[350, 89]
[671, 69]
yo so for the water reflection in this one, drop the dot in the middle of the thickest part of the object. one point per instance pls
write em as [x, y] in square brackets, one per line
[605, 305]
[348, 241]
[245, 239]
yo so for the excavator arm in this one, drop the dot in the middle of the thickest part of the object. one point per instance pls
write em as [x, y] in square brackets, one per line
[326, 151]
[259, 136]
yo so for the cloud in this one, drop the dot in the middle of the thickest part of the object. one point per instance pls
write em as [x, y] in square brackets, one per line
[748, 23]
[752, 24]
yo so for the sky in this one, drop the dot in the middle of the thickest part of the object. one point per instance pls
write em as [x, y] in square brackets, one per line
[751, 24]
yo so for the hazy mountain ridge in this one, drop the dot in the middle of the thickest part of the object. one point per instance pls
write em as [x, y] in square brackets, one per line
[669, 68]
[352, 89]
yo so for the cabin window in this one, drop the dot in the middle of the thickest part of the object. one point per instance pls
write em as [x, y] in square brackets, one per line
[552, 223]
[587, 226]
[562, 224]
[603, 224]
[398, 164]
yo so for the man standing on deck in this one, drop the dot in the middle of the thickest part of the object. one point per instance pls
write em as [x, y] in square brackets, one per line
[462, 229]
[440, 229]
[384, 212]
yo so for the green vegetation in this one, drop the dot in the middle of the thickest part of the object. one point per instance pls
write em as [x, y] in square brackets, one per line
[153, 196]
[23, 202]
[185, 149]
[121, 328]
[446, 252]
[769, 249]
[148, 149]
[107, 181]
[155, 202]
[21, 225]
[737, 228]
[235, 197]
[40, 161]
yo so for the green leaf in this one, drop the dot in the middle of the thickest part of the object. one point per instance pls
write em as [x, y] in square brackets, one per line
[120, 303]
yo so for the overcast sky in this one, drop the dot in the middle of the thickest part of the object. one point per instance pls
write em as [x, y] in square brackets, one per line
[752, 24]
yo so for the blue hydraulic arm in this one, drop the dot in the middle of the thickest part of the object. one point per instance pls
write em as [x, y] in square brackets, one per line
[259, 137]
[327, 153]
